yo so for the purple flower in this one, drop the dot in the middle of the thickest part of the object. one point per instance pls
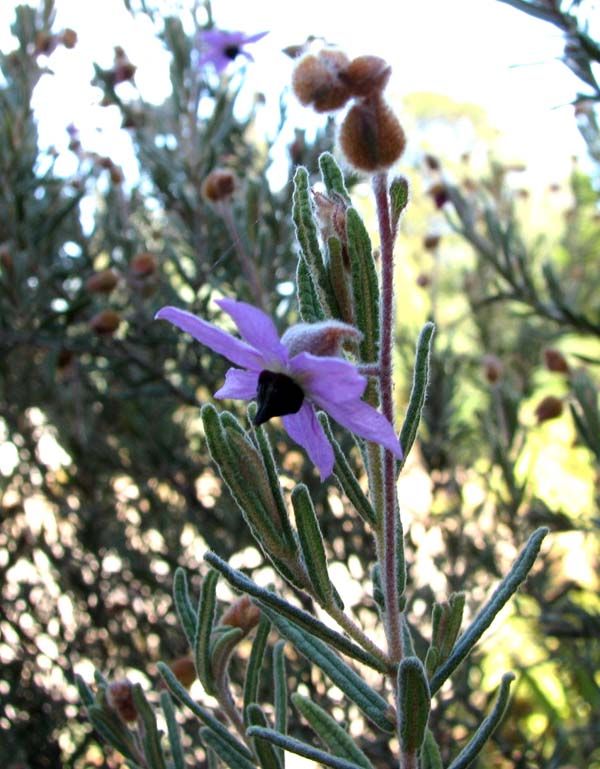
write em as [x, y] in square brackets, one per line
[289, 383]
[220, 48]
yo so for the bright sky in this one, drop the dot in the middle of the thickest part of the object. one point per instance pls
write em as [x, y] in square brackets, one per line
[472, 50]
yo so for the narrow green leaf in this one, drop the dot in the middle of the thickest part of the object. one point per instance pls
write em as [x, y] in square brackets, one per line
[85, 693]
[408, 433]
[309, 303]
[487, 727]
[336, 739]
[398, 199]
[300, 748]
[114, 732]
[430, 753]
[346, 478]
[224, 750]
[204, 627]
[446, 619]
[183, 605]
[339, 275]
[484, 619]
[414, 703]
[267, 756]
[311, 543]
[306, 234]
[365, 285]
[150, 737]
[177, 757]
[181, 693]
[332, 176]
[222, 647]
[303, 619]
[369, 701]
[408, 646]
[255, 662]
[280, 687]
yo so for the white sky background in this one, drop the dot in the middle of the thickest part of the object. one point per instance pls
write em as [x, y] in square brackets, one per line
[472, 50]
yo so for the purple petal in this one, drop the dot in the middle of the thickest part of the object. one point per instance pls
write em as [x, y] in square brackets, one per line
[220, 341]
[305, 429]
[254, 38]
[324, 379]
[364, 420]
[239, 384]
[257, 328]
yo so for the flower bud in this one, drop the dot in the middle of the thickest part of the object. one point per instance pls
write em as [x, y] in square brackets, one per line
[317, 81]
[555, 361]
[69, 38]
[105, 322]
[366, 75]
[242, 613]
[331, 215]
[324, 338]
[431, 241]
[184, 670]
[492, 368]
[423, 280]
[119, 696]
[439, 194]
[549, 407]
[371, 136]
[102, 282]
[143, 264]
[220, 184]
[45, 43]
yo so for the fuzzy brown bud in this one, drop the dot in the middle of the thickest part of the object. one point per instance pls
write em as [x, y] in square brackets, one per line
[105, 322]
[45, 43]
[317, 82]
[366, 75]
[423, 280]
[555, 361]
[549, 407]
[324, 338]
[119, 696]
[69, 38]
[371, 136]
[431, 241]
[184, 670]
[143, 264]
[220, 184]
[102, 282]
[242, 613]
[331, 215]
[439, 194]
[492, 368]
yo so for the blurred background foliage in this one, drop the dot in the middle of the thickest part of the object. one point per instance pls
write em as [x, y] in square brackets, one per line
[105, 478]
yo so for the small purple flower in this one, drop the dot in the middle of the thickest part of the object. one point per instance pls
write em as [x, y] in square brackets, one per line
[220, 48]
[289, 383]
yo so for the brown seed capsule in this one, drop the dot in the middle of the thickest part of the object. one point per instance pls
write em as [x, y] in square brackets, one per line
[492, 368]
[105, 322]
[102, 282]
[317, 83]
[549, 407]
[371, 136]
[69, 38]
[220, 184]
[119, 696]
[431, 241]
[555, 361]
[242, 613]
[366, 75]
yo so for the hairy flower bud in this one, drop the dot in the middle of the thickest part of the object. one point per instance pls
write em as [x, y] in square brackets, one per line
[184, 670]
[105, 322]
[555, 361]
[317, 80]
[69, 38]
[492, 368]
[331, 215]
[371, 136]
[439, 194]
[119, 696]
[324, 338]
[366, 75]
[242, 613]
[102, 282]
[431, 241]
[549, 407]
[143, 264]
[220, 184]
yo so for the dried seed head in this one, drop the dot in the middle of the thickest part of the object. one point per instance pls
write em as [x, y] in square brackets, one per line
[555, 361]
[366, 75]
[220, 184]
[242, 613]
[119, 696]
[105, 322]
[549, 407]
[324, 338]
[492, 368]
[317, 82]
[102, 282]
[371, 136]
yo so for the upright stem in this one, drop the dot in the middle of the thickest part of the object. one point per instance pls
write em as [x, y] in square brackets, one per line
[388, 538]
[246, 262]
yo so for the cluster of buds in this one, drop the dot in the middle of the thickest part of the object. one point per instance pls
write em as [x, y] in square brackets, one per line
[46, 43]
[371, 136]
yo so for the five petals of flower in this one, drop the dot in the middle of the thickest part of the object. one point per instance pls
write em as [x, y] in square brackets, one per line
[219, 47]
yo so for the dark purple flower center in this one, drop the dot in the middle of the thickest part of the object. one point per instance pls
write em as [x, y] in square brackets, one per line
[231, 51]
[276, 396]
